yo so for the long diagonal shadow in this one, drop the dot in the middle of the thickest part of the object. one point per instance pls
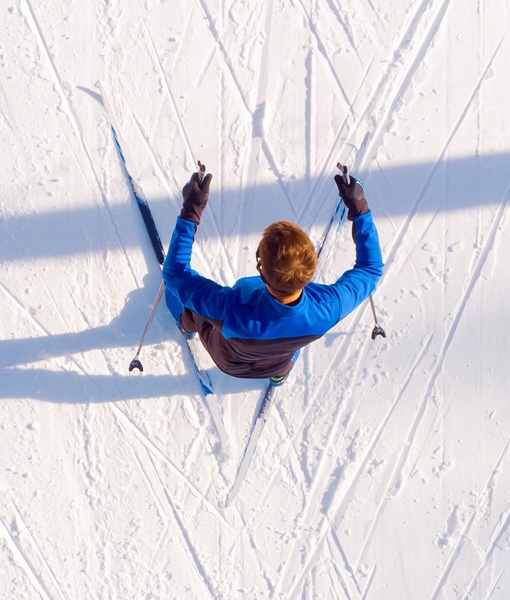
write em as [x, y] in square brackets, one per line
[64, 233]
[75, 388]
[72, 387]
[123, 331]
[450, 185]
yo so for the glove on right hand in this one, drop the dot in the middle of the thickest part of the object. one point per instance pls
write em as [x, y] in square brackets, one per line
[195, 196]
[353, 196]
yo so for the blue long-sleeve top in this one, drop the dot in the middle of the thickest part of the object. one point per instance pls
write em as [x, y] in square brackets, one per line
[245, 329]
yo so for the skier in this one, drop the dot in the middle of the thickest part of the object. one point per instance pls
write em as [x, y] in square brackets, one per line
[256, 328]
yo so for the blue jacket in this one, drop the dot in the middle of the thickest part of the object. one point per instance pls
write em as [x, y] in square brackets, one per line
[245, 329]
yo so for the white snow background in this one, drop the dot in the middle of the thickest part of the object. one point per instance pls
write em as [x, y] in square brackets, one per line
[384, 470]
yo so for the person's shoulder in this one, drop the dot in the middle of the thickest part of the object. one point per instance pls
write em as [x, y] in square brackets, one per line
[249, 283]
[321, 292]
[248, 291]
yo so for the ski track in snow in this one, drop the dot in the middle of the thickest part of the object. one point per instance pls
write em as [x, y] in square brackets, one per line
[67, 108]
[36, 567]
[346, 482]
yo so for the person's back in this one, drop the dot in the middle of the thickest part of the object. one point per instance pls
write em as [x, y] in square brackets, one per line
[256, 328]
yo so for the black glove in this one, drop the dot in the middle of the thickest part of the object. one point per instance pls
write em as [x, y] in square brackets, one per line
[353, 196]
[195, 197]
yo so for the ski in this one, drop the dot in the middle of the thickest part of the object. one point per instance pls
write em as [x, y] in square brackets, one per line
[263, 414]
[191, 343]
[270, 394]
[143, 205]
[323, 252]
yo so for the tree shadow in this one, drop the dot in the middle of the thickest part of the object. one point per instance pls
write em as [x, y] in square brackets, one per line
[70, 387]
[124, 331]
[428, 187]
[444, 186]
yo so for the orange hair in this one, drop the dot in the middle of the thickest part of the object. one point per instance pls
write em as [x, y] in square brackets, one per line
[286, 257]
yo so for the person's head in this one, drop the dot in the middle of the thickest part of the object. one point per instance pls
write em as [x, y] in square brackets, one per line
[286, 258]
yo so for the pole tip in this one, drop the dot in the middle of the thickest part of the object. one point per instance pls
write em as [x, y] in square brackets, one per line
[135, 364]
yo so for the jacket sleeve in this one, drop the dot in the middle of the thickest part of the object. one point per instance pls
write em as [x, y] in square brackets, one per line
[202, 295]
[358, 283]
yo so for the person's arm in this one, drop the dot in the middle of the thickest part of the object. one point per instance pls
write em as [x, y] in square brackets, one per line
[356, 284]
[202, 295]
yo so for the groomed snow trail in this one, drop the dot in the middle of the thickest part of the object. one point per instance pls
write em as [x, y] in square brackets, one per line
[384, 470]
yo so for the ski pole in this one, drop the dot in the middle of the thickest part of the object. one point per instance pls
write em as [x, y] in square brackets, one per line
[136, 363]
[377, 330]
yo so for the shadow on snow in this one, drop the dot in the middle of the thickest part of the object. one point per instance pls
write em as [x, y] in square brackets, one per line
[452, 185]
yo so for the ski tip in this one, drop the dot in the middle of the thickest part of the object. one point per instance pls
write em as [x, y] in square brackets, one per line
[230, 498]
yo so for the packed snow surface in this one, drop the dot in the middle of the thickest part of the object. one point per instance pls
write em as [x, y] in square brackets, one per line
[383, 472]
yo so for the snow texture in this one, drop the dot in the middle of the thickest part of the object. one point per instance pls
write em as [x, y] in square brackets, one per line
[384, 469]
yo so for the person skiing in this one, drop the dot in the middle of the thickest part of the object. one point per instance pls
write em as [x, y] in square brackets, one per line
[256, 328]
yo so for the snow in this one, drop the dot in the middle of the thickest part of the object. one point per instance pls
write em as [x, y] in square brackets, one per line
[384, 469]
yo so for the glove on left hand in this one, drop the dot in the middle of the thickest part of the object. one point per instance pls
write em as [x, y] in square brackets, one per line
[353, 196]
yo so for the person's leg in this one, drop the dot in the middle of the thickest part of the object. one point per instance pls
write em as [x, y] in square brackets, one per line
[277, 381]
[187, 323]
